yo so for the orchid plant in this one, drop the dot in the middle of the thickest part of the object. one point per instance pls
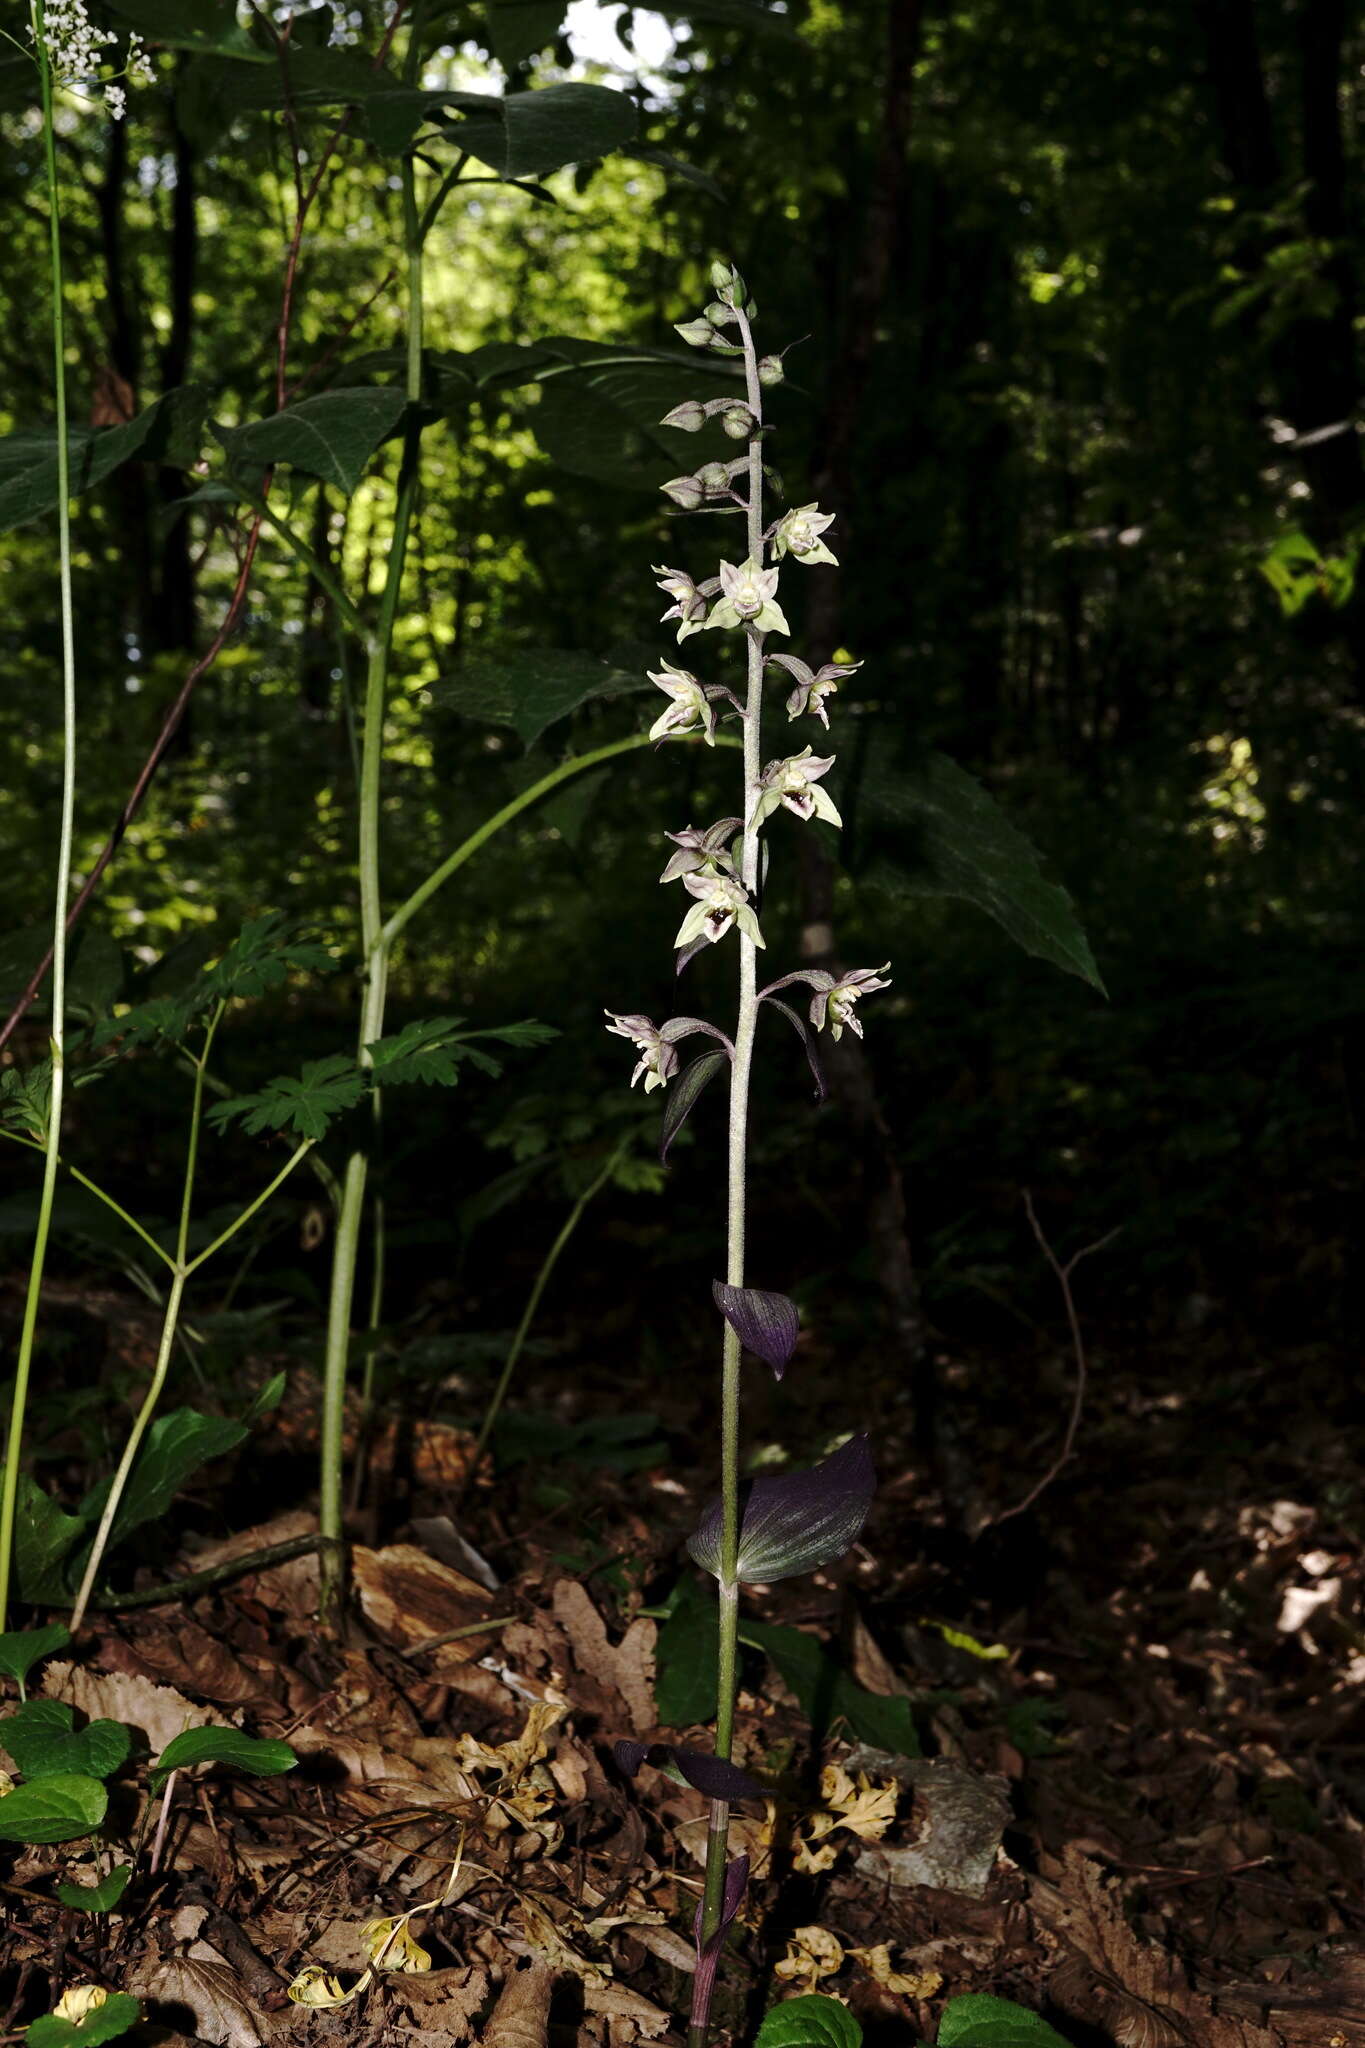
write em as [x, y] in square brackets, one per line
[791, 1522]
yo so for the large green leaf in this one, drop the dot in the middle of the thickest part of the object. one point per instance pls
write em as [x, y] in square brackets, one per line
[601, 419]
[813, 2021]
[44, 1539]
[930, 829]
[686, 1658]
[260, 1755]
[104, 2023]
[828, 1694]
[45, 1743]
[518, 29]
[52, 1810]
[176, 1446]
[169, 432]
[562, 124]
[531, 688]
[191, 25]
[979, 2020]
[331, 436]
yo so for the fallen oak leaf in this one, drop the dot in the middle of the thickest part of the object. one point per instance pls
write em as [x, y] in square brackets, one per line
[902, 1984]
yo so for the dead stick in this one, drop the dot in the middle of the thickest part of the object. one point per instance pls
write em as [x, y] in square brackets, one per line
[1064, 1273]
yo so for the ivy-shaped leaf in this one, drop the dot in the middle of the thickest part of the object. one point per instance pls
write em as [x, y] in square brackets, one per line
[45, 1743]
[304, 1104]
[21, 1649]
[97, 1898]
[119, 2011]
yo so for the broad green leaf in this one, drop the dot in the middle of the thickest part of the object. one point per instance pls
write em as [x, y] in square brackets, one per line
[103, 2023]
[176, 1445]
[812, 2021]
[44, 1539]
[191, 25]
[21, 1649]
[601, 420]
[531, 688]
[686, 1658]
[304, 1104]
[930, 829]
[518, 29]
[561, 124]
[828, 1694]
[331, 436]
[52, 1810]
[97, 1898]
[978, 2020]
[259, 1755]
[43, 1740]
[169, 432]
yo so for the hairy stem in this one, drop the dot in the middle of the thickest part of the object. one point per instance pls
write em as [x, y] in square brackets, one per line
[718, 1834]
[9, 1484]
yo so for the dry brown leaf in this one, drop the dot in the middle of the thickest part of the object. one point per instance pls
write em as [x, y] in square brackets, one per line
[185, 1655]
[441, 1454]
[544, 1937]
[631, 2016]
[966, 1813]
[902, 1984]
[521, 2017]
[292, 1586]
[812, 1953]
[409, 1597]
[626, 1669]
[157, 1711]
[210, 1991]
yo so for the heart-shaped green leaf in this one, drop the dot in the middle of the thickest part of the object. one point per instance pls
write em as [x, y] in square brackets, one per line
[52, 1810]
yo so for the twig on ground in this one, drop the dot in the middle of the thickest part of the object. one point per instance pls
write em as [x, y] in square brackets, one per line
[1064, 1273]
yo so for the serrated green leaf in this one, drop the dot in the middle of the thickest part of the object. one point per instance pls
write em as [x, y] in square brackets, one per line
[175, 1446]
[21, 1649]
[930, 829]
[531, 688]
[52, 1810]
[97, 1898]
[104, 2023]
[978, 2020]
[304, 1104]
[427, 1052]
[42, 1739]
[169, 432]
[262, 1757]
[332, 436]
[265, 952]
[812, 2021]
[827, 1692]
[25, 1099]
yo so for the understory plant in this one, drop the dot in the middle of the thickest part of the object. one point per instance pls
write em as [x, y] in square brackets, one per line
[792, 1522]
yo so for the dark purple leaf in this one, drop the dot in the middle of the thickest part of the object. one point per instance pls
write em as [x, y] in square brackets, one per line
[708, 1952]
[807, 1038]
[682, 1094]
[814, 977]
[710, 1775]
[794, 1522]
[686, 953]
[766, 1324]
[678, 1028]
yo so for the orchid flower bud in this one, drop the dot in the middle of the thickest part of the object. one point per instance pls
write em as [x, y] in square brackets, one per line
[689, 709]
[749, 599]
[770, 370]
[791, 784]
[688, 418]
[738, 422]
[686, 491]
[697, 333]
[714, 478]
[719, 314]
[689, 603]
[800, 530]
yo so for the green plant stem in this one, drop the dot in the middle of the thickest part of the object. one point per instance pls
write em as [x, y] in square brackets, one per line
[9, 1482]
[375, 949]
[746, 1025]
[102, 1194]
[528, 1314]
[299, 1152]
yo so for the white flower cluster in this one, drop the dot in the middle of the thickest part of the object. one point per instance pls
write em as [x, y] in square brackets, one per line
[74, 47]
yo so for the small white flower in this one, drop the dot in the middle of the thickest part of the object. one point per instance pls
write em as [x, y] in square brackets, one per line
[800, 531]
[658, 1060]
[749, 598]
[832, 1008]
[689, 603]
[721, 902]
[689, 709]
[792, 784]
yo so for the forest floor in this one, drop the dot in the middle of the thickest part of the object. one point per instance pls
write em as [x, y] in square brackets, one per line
[1139, 1705]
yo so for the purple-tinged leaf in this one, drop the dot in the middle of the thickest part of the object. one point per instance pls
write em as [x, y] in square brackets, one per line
[793, 1522]
[708, 1952]
[678, 1028]
[814, 977]
[766, 1324]
[682, 1096]
[710, 1775]
[807, 1038]
[686, 953]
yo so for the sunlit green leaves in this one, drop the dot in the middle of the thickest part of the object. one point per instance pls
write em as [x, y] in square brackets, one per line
[1297, 570]
[101, 2023]
[169, 432]
[332, 436]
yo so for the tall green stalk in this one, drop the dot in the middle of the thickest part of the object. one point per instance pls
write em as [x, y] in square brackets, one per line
[9, 1485]
[746, 1025]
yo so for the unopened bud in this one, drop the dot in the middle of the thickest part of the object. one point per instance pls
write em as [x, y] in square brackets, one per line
[685, 491]
[723, 275]
[697, 332]
[739, 423]
[712, 477]
[689, 417]
[719, 314]
[770, 370]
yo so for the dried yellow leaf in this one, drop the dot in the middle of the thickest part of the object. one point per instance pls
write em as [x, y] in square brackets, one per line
[812, 1953]
[79, 2002]
[319, 1989]
[391, 1945]
[902, 1983]
[6, 1783]
[865, 1809]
